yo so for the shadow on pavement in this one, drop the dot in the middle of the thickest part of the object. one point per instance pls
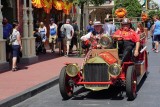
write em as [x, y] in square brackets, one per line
[113, 93]
[42, 57]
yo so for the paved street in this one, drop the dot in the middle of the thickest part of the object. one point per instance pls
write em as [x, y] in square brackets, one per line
[148, 93]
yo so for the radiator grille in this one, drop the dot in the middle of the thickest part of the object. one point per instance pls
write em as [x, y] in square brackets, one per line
[96, 72]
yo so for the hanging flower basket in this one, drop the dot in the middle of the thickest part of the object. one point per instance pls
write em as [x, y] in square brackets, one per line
[144, 17]
[121, 12]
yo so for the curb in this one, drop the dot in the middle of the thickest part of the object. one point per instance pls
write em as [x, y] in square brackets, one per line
[15, 99]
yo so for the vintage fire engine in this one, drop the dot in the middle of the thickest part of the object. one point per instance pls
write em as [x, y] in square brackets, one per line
[103, 68]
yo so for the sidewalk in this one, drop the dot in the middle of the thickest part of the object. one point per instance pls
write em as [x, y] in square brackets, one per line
[48, 67]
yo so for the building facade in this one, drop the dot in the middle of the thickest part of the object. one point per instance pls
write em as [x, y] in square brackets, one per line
[20, 10]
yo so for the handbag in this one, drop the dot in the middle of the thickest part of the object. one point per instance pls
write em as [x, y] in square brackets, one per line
[10, 40]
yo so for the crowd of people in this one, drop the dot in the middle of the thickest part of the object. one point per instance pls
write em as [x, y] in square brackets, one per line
[65, 35]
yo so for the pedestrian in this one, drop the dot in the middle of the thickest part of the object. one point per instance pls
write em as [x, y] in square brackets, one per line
[108, 27]
[38, 41]
[149, 27]
[156, 33]
[151, 34]
[74, 38]
[7, 28]
[15, 39]
[69, 32]
[90, 27]
[140, 28]
[53, 35]
[60, 38]
[43, 32]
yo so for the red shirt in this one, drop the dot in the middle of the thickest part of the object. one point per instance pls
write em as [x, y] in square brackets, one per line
[128, 35]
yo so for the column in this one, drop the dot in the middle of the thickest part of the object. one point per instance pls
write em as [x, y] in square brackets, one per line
[32, 39]
[3, 63]
[29, 54]
[25, 20]
[30, 19]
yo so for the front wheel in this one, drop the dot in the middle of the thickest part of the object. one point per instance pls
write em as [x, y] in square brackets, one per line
[65, 89]
[131, 83]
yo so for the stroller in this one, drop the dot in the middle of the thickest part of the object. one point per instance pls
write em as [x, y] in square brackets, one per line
[40, 48]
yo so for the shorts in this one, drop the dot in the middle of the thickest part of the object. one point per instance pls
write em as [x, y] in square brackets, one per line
[156, 38]
[52, 39]
[15, 50]
[68, 42]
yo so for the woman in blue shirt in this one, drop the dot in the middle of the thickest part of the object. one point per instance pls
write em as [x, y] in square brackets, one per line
[156, 32]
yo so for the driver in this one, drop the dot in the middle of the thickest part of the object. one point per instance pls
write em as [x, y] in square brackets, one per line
[129, 37]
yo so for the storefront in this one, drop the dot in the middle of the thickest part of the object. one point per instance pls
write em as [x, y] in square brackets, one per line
[20, 10]
[27, 12]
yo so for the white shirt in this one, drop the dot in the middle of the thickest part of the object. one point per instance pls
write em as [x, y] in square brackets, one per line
[42, 30]
[14, 36]
[86, 37]
[68, 31]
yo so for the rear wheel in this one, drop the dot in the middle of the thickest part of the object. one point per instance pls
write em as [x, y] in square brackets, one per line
[131, 83]
[65, 89]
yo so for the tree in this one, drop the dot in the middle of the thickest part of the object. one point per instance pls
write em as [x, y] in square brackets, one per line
[133, 7]
[153, 13]
[81, 3]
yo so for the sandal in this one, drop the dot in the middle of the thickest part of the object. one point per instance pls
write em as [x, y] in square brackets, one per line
[14, 69]
[156, 51]
[153, 49]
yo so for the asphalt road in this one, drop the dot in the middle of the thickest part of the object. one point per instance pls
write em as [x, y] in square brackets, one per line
[148, 93]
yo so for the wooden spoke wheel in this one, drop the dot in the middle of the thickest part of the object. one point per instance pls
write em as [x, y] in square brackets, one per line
[131, 83]
[65, 89]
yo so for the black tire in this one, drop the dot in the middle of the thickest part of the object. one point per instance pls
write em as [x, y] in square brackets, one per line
[131, 83]
[65, 89]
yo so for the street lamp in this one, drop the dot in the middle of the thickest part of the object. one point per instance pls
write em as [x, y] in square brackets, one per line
[144, 8]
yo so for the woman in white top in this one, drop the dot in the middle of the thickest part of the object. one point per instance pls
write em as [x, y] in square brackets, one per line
[43, 32]
[15, 39]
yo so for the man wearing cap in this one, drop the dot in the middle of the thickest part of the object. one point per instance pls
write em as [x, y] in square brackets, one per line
[130, 39]
[53, 35]
[69, 32]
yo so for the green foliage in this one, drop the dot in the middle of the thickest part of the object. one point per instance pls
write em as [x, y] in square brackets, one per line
[94, 2]
[153, 13]
[133, 7]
